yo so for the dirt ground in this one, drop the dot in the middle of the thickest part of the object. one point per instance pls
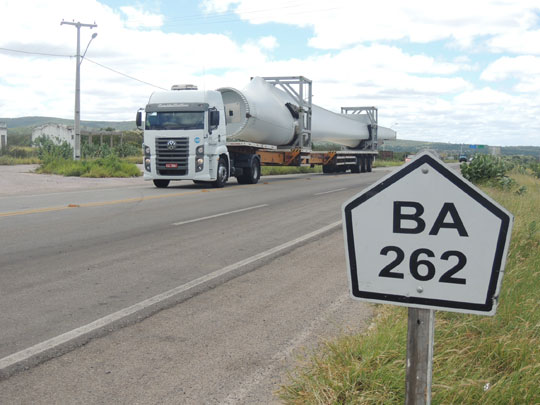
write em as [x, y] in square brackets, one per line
[22, 180]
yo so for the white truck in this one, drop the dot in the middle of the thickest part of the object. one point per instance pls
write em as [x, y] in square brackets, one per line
[209, 136]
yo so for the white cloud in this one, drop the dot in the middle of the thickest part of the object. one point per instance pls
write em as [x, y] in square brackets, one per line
[432, 98]
[268, 42]
[137, 18]
[341, 23]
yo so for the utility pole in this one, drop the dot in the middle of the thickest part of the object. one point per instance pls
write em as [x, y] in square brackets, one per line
[77, 128]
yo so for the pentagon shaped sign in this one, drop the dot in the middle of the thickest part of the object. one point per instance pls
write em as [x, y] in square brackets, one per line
[425, 237]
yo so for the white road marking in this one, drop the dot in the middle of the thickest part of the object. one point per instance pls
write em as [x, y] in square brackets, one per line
[74, 334]
[220, 215]
[331, 191]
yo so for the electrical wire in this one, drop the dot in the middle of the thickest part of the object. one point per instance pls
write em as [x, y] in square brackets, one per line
[123, 74]
[36, 53]
[89, 60]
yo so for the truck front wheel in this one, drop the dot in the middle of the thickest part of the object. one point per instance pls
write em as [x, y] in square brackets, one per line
[161, 183]
[222, 174]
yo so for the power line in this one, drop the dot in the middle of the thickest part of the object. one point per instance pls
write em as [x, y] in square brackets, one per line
[89, 60]
[123, 74]
[36, 53]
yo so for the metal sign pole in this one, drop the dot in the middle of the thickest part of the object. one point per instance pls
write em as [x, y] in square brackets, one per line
[420, 331]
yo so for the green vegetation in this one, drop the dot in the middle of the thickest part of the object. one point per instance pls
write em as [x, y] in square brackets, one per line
[477, 359]
[387, 163]
[56, 158]
[18, 155]
[276, 170]
[110, 166]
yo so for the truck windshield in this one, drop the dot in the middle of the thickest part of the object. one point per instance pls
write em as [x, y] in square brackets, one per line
[175, 120]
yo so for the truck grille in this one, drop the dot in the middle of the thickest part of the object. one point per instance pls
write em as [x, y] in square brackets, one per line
[172, 151]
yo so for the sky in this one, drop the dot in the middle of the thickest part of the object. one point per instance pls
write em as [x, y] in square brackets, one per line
[459, 72]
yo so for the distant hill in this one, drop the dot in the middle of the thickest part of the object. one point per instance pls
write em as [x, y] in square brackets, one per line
[26, 124]
[401, 145]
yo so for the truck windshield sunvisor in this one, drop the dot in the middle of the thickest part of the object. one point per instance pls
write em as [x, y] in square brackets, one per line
[183, 120]
[176, 107]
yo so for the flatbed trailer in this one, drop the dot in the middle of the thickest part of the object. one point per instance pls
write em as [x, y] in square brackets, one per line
[357, 161]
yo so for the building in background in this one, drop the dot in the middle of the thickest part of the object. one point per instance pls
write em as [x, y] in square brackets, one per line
[3, 135]
[58, 133]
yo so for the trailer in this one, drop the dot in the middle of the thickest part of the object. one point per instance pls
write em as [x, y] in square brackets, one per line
[209, 136]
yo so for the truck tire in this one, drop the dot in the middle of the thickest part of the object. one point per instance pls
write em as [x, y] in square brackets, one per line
[251, 174]
[327, 169]
[363, 164]
[356, 168]
[161, 183]
[222, 174]
[369, 160]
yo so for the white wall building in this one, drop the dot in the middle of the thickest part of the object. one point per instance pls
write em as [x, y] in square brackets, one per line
[3, 135]
[56, 132]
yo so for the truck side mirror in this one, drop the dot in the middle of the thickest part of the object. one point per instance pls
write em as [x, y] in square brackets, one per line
[214, 119]
[138, 119]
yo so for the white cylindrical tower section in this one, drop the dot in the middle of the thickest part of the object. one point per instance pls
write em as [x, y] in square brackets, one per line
[255, 114]
[259, 114]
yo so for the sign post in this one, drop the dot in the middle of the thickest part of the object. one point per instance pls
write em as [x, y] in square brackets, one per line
[425, 238]
[420, 332]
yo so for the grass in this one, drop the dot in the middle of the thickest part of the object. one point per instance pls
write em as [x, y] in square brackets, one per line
[104, 167]
[277, 170]
[387, 163]
[6, 160]
[477, 359]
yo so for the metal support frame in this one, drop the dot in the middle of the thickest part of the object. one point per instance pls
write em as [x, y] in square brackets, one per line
[373, 115]
[300, 89]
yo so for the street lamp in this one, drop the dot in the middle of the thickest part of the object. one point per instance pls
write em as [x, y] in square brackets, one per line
[91, 39]
[77, 126]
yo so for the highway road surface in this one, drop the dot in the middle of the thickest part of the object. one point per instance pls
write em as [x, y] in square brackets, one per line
[237, 279]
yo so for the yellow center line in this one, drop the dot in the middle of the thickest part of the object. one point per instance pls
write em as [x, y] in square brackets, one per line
[123, 201]
[97, 203]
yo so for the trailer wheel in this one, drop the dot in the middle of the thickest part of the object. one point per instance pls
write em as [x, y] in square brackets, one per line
[161, 183]
[327, 169]
[222, 174]
[363, 164]
[356, 168]
[369, 160]
[251, 174]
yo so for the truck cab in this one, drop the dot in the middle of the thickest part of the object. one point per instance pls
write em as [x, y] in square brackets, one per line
[184, 137]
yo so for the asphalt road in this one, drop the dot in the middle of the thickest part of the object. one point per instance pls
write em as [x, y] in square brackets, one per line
[70, 258]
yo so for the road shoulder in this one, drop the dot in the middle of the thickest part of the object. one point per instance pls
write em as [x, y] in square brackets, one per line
[232, 344]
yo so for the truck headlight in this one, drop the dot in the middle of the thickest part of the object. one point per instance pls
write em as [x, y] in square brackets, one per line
[147, 164]
[200, 150]
[199, 164]
[147, 150]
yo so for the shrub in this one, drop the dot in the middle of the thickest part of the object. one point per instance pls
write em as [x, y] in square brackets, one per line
[111, 166]
[487, 169]
[49, 150]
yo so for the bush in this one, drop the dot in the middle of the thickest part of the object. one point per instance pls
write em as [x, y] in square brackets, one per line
[535, 168]
[90, 151]
[50, 150]
[111, 166]
[487, 169]
[18, 152]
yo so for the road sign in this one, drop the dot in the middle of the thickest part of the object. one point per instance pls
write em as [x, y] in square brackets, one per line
[424, 237]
